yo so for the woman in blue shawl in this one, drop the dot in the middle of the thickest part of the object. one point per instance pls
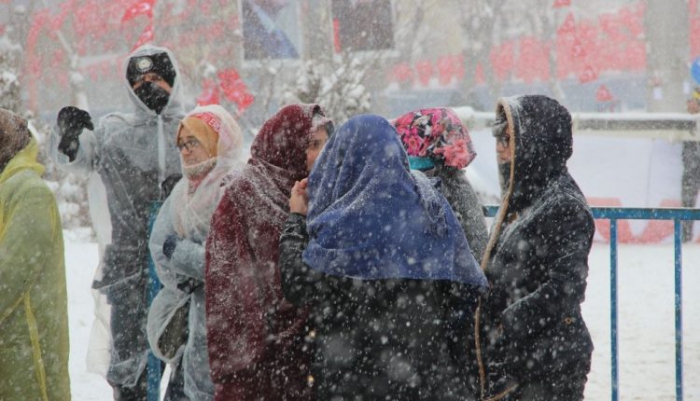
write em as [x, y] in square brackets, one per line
[385, 269]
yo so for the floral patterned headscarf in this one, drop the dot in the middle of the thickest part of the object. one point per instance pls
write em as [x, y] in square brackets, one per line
[435, 137]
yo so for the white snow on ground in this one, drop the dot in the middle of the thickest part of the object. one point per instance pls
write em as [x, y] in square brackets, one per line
[646, 321]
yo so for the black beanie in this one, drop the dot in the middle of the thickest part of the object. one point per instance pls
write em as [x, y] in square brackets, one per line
[158, 63]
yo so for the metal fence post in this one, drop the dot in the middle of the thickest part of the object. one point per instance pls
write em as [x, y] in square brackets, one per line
[679, 307]
[613, 311]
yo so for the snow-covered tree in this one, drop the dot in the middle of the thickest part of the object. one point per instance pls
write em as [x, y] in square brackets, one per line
[336, 83]
[9, 81]
[69, 188]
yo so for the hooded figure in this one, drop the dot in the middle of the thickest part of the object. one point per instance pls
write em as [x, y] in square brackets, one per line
[439, 145]
[385, 269]
[532, 338]
[256, 337]
[179, 233]
[33, 301]
[133, 155]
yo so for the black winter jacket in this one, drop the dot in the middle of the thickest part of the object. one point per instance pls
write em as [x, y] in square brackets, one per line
[536, 261]
[383, 339]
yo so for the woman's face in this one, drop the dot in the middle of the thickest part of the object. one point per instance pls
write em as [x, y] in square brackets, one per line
[504, 153]
[191, 150]
[317, 141]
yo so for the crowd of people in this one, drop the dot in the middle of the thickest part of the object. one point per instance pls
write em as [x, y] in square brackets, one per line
[325, 263]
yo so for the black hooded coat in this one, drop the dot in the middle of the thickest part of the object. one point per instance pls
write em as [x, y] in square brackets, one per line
[530, 325]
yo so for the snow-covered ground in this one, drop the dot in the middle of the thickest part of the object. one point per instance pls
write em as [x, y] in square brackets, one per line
[646, 321]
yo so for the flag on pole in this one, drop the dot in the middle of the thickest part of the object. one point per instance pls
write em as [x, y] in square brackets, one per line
[603, 94]
[235, 89]
[141, 7]
[588, 75]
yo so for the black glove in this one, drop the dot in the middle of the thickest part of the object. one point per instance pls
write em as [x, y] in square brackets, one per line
[169, 245]
[71, 122]
[169, 183]
[189, 285]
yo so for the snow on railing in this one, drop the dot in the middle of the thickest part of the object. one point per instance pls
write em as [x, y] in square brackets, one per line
[672, 127]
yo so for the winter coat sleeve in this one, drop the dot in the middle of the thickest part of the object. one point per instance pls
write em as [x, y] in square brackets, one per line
[25, 243]
[88, 151]
[187, 261]
[566, 267]
[297, 278]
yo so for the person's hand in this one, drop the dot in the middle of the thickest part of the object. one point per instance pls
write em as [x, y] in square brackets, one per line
[299, 200]
[693, 106]
[71, 121]
[169, 245]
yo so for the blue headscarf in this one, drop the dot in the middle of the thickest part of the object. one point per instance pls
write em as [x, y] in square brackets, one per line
[371, 218]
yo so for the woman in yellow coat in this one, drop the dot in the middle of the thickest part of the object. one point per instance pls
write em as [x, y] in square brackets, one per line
[33, 301]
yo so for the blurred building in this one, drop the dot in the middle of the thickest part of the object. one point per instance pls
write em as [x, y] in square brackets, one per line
[416, 53]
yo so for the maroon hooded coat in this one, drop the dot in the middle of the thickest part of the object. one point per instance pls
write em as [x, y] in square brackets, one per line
[255, 337]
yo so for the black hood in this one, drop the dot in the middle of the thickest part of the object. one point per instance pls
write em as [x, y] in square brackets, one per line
[541, 142]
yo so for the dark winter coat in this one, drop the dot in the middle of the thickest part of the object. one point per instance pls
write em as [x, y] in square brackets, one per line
[399, 338]
[537, 258]
[255, 337]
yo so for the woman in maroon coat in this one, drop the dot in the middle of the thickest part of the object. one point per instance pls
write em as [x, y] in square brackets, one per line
[256, 337]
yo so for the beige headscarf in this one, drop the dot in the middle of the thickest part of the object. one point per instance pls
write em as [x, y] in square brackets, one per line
[14, 136]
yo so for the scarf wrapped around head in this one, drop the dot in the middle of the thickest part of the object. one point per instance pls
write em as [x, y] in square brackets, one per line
[14, 136]
[435, 137]
[371, 218]
[255, 337]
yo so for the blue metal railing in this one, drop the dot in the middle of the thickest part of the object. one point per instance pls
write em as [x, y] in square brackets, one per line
[617, 213]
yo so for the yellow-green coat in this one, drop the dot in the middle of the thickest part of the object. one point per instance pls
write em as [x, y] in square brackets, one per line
[33, 301]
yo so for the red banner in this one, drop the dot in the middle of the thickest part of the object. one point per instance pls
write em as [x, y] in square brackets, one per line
[210, 93]
[141, 7]
[235, 90]
[425, 71]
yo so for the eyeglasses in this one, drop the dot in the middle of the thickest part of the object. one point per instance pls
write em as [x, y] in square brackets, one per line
[503, 140]
[190, 144]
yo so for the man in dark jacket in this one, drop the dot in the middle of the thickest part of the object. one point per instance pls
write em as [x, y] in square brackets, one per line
[136, 159]
[533, 340]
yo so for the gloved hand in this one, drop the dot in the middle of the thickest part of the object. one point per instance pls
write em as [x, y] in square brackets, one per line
[189, 285]
[71, 122]
[169, 183]
[169, 245]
